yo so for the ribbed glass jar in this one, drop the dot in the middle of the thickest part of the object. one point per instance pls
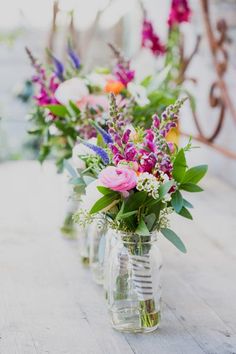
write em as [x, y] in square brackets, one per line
[134, 283]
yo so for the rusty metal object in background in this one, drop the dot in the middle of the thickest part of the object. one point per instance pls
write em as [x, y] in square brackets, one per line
[219, 96]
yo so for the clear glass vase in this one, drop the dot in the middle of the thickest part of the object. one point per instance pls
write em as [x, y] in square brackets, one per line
[83, 244]
[97, 239]
[109, 244]
[134, 287]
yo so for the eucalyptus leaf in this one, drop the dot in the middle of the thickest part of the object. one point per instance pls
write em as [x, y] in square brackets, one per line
[177, 201]
[185, 213]
[187, 204]
[174, 239]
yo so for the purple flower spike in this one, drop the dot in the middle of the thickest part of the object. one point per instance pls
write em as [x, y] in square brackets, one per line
[130, 153]
[106, 136]
[114, 149]
[123, 74]
[151, 40]
[179, 12]
[74, 57]
[156, 121]
[58, 68]
[117, 158]
[126, 135]
[99, 151]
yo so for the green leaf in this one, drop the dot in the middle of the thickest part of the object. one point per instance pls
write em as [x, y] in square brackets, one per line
[185, 213]
[105, 190]
[179, 166]
[127, 215]
[195, 174]
[187, 204]
[77, 181]
[135, 201]
[142, 229]
[150, 221]
[190, 187]
[146, 81]
[164, 188]
[74, 108]
[58, 109]
[177, 201]
[70, 169]
[173, 238]
[104, 202]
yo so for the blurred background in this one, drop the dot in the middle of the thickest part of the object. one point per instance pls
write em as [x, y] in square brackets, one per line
[94, 23]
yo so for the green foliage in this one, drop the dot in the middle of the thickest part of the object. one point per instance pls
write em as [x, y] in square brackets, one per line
[185, 213]
[164, 188]
[142, 229]
[179, 166]
[177, 201]
[104, 202]
[58, 109]
[191, 187]
[195, 174]
[174, 239]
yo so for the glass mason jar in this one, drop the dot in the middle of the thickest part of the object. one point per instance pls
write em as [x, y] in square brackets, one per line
[134, 287]
[109, 244]
[83, 244]
[97, 238]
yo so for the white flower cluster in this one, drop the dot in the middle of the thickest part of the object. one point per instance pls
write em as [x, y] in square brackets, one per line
[148, 183]
[163, 218]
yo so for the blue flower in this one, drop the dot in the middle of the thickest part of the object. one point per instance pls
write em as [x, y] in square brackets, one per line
[58, 68]
[74, 57]
[105, 135]
[99, 151]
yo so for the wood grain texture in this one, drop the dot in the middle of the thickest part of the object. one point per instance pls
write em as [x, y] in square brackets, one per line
[49, 304]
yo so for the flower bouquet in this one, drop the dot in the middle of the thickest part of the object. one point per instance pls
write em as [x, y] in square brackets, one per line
[139, 185]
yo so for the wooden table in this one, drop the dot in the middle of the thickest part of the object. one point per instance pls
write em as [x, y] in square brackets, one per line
[49, 304]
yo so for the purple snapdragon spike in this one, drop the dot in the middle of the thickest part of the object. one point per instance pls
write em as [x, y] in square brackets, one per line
[130, 152]
[99, 151]
[151, 40]
[179, 12]
[156, 121]
[117, 158]
[58, 68]
[105, 135]
[147, 162]
[123, 73]
[113, 149]
[126, 135]
[73, 57]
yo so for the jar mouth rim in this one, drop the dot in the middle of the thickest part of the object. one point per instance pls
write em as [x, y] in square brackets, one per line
[133, 238]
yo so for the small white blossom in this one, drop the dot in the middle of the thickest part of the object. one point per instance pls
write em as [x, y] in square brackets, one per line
[148, 183]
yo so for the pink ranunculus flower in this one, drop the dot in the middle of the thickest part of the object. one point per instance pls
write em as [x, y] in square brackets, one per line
[120, 179]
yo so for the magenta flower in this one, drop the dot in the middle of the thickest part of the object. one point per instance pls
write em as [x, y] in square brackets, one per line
[123, 73]
[179, 12]
[120, 179]
[151, 40]
[147, 162]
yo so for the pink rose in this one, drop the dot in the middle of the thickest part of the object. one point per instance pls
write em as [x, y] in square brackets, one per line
[120, 179]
